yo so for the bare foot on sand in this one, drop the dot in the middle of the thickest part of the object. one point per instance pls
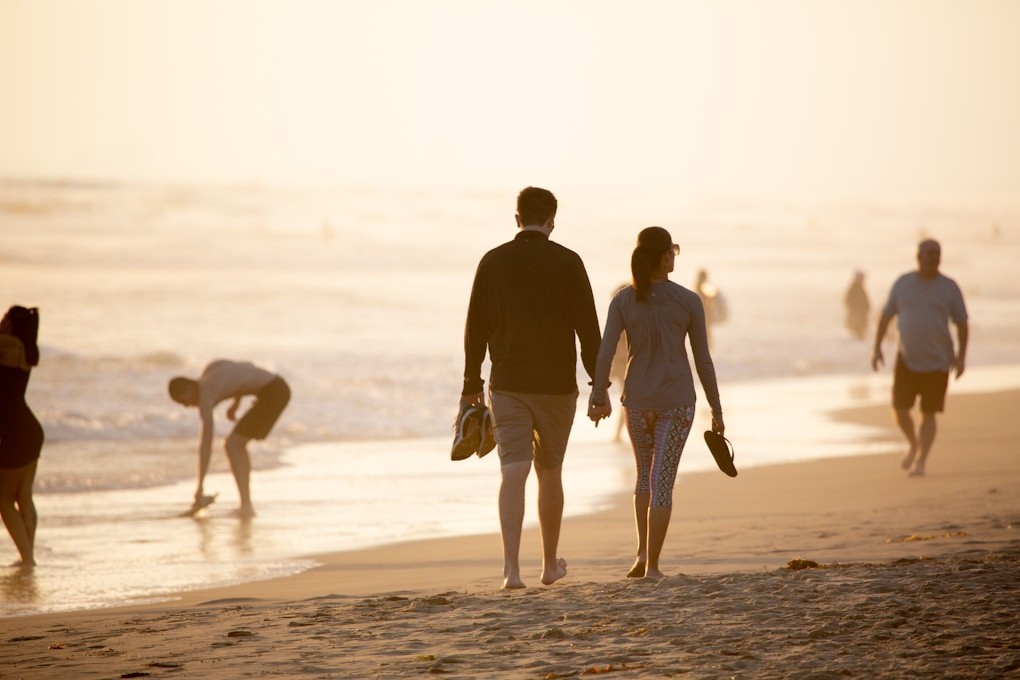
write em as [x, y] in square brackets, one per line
[908, 460]
[918, 471]
[513, 583]
[638, 570]
[559, 570]
[654, 575]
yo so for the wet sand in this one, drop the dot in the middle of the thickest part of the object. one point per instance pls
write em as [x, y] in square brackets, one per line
[904, 577]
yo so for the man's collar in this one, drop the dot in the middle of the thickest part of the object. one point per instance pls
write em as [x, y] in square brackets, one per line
[529, 234]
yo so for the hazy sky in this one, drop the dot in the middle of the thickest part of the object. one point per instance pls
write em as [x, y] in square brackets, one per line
[852, 98]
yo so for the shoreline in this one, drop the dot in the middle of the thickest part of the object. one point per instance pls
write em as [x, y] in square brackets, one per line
[874, 434]
[703, 499]
[910, 569]
[707, 503]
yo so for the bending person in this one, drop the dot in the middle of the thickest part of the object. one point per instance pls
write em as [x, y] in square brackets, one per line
[222, 380]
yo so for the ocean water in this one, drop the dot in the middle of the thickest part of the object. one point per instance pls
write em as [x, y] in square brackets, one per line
[357, 296]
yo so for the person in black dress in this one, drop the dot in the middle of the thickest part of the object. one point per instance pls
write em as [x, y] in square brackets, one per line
[21, 435]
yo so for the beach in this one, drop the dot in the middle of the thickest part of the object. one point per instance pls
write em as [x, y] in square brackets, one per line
[312, 187]
[137, 283]
[903, 577]
[374, 555]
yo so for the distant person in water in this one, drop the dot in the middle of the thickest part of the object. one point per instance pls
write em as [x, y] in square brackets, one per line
[531, 302]
[617, 372]
[222, 380]
[658, 317]
[923, 301]
[21, 435]
[858, 307]
[712, 301]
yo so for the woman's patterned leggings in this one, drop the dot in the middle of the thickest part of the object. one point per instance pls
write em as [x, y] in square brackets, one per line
[658, 438]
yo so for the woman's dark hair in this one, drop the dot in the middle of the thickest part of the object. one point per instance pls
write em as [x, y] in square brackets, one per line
[652, 244]
[24, 325]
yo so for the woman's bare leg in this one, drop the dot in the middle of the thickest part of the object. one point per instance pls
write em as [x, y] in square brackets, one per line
[18, 510]
[658, 525]
[641, 525]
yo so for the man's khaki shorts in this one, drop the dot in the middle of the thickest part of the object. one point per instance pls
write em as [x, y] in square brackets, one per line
[532, 426]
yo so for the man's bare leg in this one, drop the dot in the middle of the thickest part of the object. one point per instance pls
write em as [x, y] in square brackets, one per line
[658, 525]
[641, 524]
[926, 435]
[550, 518]
[240, 465]
[513, 476]
[906, 423]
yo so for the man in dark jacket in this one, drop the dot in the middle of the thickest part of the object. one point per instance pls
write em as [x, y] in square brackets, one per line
[529, 299]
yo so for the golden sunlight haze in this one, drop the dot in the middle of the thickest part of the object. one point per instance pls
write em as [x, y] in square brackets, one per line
[784, 97]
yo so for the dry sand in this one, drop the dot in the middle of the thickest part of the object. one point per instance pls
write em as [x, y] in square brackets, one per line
[915, 578]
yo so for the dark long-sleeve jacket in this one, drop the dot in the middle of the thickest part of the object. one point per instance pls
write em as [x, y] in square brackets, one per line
[530, 298]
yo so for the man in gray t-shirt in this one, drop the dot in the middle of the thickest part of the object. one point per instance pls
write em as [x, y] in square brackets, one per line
[924, 301]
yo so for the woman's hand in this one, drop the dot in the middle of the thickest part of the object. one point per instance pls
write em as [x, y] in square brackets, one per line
[597, 411]
[718, 426]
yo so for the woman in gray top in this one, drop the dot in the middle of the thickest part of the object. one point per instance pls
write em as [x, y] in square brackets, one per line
[658, 390]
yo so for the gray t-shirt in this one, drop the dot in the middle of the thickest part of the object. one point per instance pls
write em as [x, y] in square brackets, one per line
[924, 308]
[658, 371]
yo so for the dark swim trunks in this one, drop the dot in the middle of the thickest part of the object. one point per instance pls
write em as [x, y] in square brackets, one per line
[908, 384]
[257, 422]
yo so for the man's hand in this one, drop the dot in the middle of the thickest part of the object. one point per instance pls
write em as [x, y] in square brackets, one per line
[232, 411]
[469, 399]
[201, 501]
[960, 365]
[877, 360]
[718, 426]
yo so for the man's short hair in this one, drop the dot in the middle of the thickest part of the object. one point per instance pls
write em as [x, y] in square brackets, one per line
[535, 206]
[179, 388]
